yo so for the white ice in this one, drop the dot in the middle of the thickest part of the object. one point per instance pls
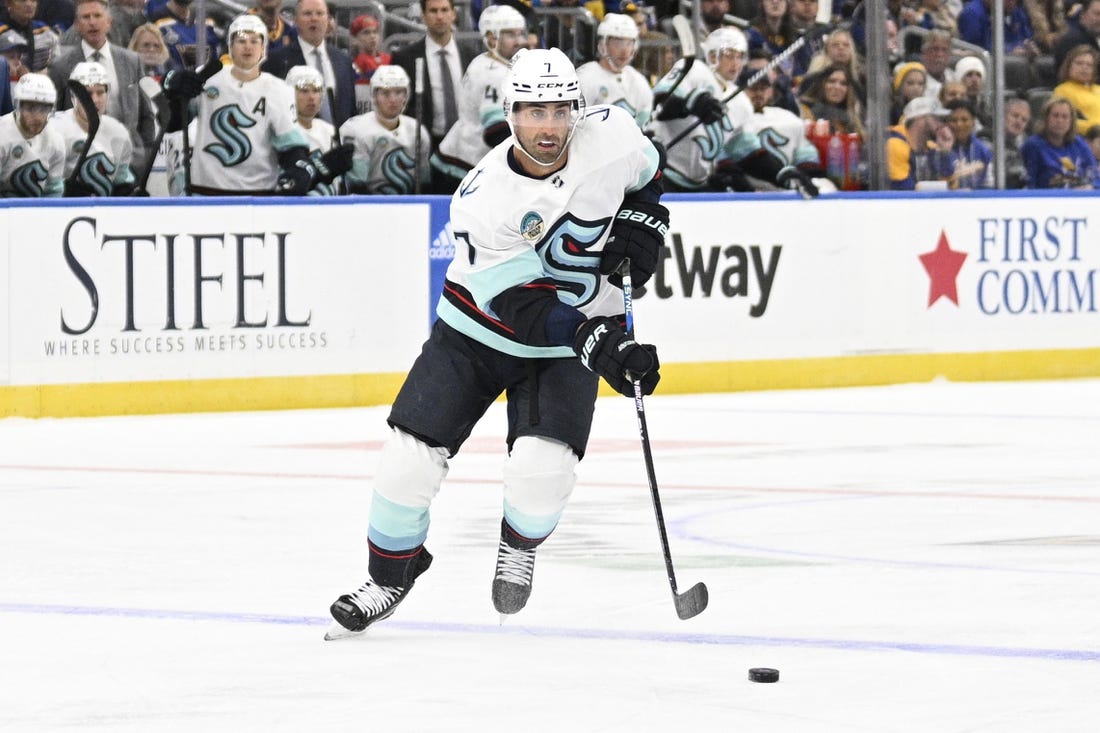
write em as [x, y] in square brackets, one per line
[917, 558]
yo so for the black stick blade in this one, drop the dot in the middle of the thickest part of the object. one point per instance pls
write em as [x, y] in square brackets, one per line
[691, 602]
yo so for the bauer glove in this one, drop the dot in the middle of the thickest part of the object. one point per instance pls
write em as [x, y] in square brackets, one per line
[708, 109]
[637, 232]
[606, 349]
[182, 84]
[790, 176]
[335, 162]
[297, 179]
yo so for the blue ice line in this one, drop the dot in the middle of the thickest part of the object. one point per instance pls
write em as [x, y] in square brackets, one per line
[968, 650]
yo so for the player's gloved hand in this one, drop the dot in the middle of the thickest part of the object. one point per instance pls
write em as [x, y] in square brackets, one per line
[637, 232]
[335, 162]
[297, 179]
[605, 349]
[673, 108]
[79, 189]
[708, 109]
[790, 176]
[182, 84]
[139, 193]
[727, 176]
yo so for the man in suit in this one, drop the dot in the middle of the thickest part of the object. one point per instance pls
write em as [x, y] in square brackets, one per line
[311, 17]
[125, 102]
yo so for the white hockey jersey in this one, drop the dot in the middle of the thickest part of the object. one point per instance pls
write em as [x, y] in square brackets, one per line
[627, 89]
[320, 136]
[242, 128]
[30, 168]
[691, 161]
[108, 161]
[385, 160]
[783, 134]
[511, 229]
[480, 106]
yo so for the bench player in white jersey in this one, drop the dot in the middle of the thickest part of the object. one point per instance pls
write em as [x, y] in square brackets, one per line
[106, 168]
[717, 154]
[246, 142]
[611, 79]
[481, 124]
[384, 140]
[32, 153]
[540, 226]
[308, 85]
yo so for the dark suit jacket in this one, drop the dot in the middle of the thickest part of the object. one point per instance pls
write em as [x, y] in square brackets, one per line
[281, 60]
[406, 57]
[133, 108]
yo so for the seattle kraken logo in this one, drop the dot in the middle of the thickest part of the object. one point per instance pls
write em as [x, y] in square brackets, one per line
[716, 132]
[773, 141]
[565, 256]
[233, 146]
[97, 172]
[397, 168]
[28, 180]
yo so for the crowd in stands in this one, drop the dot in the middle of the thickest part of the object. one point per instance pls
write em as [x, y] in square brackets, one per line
[391, 100]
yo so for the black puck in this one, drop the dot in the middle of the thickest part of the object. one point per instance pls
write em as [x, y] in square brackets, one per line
[764, 674]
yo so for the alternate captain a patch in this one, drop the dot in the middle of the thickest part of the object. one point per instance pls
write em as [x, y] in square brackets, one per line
[531, 226]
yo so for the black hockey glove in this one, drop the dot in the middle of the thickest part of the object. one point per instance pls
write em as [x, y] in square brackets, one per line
[605, 349]
[297, 179]
[708, 109]
[728, 176]
[673, 108]
[335, 162]
[182, 84]
[637, 232]
[790, 176]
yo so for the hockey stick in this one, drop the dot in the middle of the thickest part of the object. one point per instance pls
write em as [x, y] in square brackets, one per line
[686, 38]
[84, 99]
[341, 187]
[693, 601]
[418, 71]
[152, 91]
[211, 67]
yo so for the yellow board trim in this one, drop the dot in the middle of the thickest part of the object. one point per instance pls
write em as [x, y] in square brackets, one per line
[361, 390]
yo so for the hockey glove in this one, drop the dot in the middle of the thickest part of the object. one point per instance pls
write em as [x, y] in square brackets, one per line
[607, 350]
[297, 179]
[182, 84]
[708, 109]
[791, 177]
[637, 232]
[728, 176]
[335, 162]
[674, 108]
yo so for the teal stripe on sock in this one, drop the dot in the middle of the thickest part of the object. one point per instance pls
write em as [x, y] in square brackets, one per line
[395, 526]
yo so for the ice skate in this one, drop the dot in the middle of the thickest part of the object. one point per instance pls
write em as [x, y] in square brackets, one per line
[356, 611]
[512, 583]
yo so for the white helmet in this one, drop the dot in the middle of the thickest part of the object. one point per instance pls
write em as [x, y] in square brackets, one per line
[721, 39]
[543, 75]
[248, 23]
[389, 77]
[90, 73]
[34, 87]
[615, 25]
[497, 18]
[305, 77]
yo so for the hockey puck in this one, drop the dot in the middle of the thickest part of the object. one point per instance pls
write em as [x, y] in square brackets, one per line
[764, 674]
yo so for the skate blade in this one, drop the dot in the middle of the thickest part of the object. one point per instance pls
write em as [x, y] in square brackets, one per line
[337, 632]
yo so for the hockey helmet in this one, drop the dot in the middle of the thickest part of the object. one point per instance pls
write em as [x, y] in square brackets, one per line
[543, 75]
[90, 73]
[722, 39]
[615, 25]
[389, 77]
[305, 77]
[248, 23]
[34, 87]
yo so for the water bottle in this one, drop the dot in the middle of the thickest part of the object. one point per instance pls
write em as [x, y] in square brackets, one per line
[853, 175]
[834, 161]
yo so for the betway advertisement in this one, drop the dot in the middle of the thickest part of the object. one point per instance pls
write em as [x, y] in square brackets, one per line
[147, 292]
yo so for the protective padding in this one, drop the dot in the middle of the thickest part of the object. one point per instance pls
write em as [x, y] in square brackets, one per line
[538, 481]
[409, 471]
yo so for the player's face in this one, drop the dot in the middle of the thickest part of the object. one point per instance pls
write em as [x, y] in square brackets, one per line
[730, 63]
[510, 41]
[246, 50]
[760, 95]
[98, 93]
[542, 129]
[308, 102]
[619, 52]
[390, 101]
[32, 117]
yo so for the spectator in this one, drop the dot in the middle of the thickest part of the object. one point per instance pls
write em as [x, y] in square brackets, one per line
[918, 149]
[32, 154]
[389, 157]
[714, 14]
[831, 95]
[976, 26]
[280, 34]
[935, 56]
[309, 89]
[611, 79]
[1081, 28]
[910, 80]
[125, 102]
[1077, 83]
[311, 48]
[13, 48]
[106, 168]
[655, 56]
[930, 15]
[445, 62]
[971, 160]
[971, 72]
[366, 40]
[148, 43]
[1092, 137]
[1017, 122]
[840, 48]
[780, 94]
[41, 40]
[176, 22]
[1056, 156]
[1048, 21]
[773, 31]
[481, 124]
[952, 90]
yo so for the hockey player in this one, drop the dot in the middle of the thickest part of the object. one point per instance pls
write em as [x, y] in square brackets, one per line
[481, 123]
[246, 142]
[384, 140]
[611, 79]
[540, 225]
[308, 86]
[106, 168]
[32, 153]
[719, 152]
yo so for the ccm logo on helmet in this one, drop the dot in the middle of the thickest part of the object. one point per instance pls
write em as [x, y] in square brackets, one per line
[644, 219]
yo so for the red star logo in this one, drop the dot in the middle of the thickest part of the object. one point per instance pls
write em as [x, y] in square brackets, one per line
[942, 265]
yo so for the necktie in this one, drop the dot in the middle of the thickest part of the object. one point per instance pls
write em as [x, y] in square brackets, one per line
[326, 109]
[450, 109]
[97, 56]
